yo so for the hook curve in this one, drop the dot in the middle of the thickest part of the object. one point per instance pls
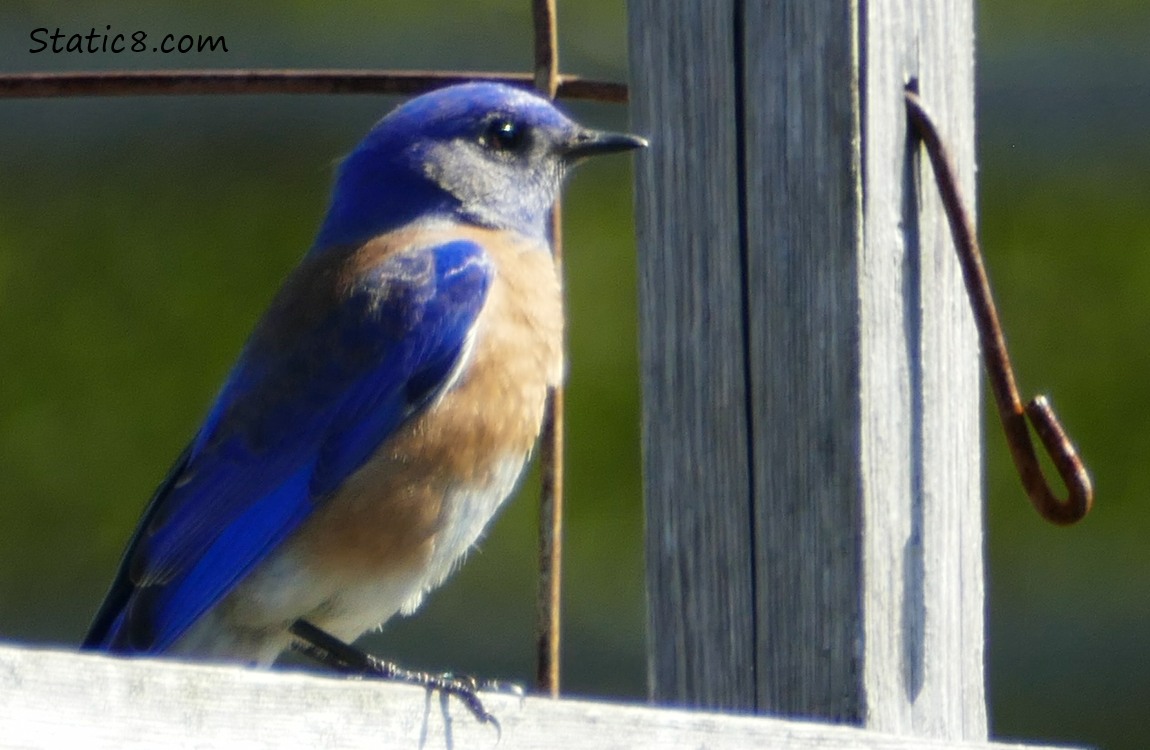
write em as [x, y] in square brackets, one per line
[1000, 373]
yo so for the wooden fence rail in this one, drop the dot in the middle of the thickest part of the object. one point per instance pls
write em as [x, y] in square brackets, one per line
[58, 699]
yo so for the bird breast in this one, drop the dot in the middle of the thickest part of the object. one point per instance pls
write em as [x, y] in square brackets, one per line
[425, 496]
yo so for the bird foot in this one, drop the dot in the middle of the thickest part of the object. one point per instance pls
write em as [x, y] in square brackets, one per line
[331, 652]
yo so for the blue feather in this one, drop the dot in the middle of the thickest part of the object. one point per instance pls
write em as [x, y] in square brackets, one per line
[287, 429]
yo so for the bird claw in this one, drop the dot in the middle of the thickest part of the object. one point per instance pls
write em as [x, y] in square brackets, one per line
[463, 687]
[332, 652]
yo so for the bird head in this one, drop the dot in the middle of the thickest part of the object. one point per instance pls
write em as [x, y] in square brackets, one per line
[485, 153]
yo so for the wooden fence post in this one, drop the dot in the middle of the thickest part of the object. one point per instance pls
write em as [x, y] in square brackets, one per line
[695, 418]
[810, 371]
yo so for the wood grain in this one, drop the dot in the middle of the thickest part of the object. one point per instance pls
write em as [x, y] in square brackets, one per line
[53, 699]
[695, 421]
[847, 539]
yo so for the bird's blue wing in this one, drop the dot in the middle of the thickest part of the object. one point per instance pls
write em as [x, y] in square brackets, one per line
[307, 404]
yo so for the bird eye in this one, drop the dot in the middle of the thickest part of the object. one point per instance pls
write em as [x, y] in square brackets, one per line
[504, 135]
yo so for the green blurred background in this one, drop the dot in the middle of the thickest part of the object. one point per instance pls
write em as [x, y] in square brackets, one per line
[140, 238]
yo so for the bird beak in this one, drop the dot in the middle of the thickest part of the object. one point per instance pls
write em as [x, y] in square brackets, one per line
[594, 142]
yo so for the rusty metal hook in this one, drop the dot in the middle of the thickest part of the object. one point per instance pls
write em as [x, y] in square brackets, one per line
[998, 369]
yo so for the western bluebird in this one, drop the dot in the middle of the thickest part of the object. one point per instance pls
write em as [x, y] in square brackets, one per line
[386, 403]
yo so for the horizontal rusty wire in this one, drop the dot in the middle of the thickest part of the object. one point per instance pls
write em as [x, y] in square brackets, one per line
[201, 82]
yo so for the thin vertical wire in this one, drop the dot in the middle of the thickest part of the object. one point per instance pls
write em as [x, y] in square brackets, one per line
[546, 47]
[548, 610]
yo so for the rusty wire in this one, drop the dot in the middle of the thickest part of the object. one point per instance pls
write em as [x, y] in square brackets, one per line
[999, 371]
[548, 611]
[198, 82]
[546, 27]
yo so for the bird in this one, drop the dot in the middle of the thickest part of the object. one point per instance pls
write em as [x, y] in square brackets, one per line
[384, 406]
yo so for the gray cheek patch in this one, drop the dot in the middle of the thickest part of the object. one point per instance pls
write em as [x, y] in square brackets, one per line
[503, 194]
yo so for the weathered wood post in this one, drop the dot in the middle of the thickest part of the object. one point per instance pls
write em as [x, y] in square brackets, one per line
[810, 370]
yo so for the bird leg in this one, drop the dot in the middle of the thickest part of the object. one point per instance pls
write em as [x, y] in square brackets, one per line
[330, 651]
